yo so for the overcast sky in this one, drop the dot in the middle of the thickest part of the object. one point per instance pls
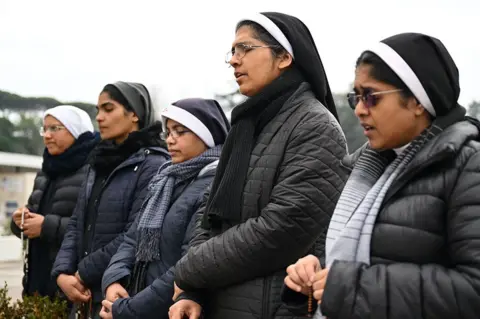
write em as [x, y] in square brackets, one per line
[70, 49]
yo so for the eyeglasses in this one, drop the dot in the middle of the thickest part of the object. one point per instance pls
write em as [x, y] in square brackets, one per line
[175, 134]
[241, 49]
[368, 97]
[52, 129]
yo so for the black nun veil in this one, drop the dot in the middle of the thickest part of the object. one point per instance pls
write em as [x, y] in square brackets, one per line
[306, 56]
[423, 63]
[224, 205]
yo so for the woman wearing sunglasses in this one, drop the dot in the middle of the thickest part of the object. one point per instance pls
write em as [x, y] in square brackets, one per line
[278, 179]
[404, 239]
[68, 136]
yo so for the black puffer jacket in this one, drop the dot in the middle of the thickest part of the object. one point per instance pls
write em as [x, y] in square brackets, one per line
[64, 197]
[54, 196]
[121, 197]
[425, 249]
[294, 179]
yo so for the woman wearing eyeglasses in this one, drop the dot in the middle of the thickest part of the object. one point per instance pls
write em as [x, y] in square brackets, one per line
[139, 280]
[120, 169]
[69, 138]
[404, 239]
[278, 178]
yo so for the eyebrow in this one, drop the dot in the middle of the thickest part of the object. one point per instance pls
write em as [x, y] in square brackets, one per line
[364, 88]
[176, 126]
[242, 42]
[104, 105]
[369, 88]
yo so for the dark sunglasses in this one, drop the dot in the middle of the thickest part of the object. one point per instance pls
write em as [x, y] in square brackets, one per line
[368, 97]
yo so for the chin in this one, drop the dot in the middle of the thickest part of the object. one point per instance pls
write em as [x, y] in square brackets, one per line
[245, 90]
[176, 159]
[106, 136]
[375, 145]
[54, 152]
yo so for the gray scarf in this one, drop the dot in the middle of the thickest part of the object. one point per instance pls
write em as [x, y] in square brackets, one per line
[158, 202]
[351, 226]
[350, 230]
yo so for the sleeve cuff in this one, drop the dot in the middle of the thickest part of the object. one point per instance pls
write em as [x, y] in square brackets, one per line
[296, 302]
[118, 307]
[193, 296]
[83, 273]
[122, 279]
[49, 227]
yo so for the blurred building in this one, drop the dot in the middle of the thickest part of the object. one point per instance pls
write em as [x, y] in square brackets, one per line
[17, 174]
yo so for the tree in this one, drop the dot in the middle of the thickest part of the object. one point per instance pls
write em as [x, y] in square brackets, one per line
[27, 134]
[23, 136]
[349, 122]
[474, 109]
[229, 100]
[16, 103]
[7, 141]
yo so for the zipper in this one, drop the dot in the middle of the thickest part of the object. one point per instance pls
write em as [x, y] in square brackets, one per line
[94, 219]
[97, 202]
[104, 185]
[92, 230]
[267, 286]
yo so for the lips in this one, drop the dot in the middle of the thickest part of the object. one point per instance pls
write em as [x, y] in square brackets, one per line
[367, 127]
[238, 75]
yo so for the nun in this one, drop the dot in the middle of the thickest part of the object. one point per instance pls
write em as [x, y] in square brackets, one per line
[116, 182]
[403, 241]
[69, 138]
[138, 282]
[277, 182]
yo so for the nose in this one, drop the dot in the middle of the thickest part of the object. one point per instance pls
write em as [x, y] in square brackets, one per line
[47, 134]
[361, 110]
[234, 61]
[170, 140]
[99, 118]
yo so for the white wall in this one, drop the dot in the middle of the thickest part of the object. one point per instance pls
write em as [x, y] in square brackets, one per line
[10, 248]
[14, 187]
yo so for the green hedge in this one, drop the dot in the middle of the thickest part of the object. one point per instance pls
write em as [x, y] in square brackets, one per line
[34, 307]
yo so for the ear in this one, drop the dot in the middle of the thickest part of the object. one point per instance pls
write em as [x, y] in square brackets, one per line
[285, 61]
[419, 110]
[415, 106]
[135, 118]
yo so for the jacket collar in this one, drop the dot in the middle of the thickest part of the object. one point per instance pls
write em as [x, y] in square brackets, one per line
[442, 147]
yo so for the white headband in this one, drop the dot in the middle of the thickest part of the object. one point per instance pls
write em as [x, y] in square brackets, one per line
[75, 120]
[188, 120]
[404, 72]
[273, 29]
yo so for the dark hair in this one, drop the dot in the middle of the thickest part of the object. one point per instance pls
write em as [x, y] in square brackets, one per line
[261, 34]
[118, 97]
[380, 71]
